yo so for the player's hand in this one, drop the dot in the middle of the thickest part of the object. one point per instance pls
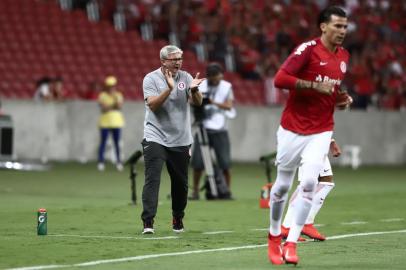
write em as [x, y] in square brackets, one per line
[196, 82]
[335, 149]
[169, 79]
[325, 88]
[343, 100]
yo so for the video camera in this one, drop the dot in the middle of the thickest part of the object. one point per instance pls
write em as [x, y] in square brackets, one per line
[199, 112]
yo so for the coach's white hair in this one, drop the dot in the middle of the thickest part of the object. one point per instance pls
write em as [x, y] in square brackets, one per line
[167, 50]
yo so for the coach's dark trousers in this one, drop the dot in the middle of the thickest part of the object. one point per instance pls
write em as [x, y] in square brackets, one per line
[177, 163]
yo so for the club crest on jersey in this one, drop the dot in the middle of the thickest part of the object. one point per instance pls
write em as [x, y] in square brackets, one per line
[343, 67]
[181, 86]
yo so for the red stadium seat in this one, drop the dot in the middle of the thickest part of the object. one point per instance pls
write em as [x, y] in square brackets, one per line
[41, 40]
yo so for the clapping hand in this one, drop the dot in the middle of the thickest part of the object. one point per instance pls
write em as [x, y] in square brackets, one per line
[196, 82]
[169, 79]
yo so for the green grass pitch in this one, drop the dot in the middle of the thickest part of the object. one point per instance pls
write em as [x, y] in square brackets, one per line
[91, 221]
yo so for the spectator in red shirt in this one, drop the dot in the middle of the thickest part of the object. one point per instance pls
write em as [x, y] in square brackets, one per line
[248, 59]
[58, 91]
[363, 80]
[391, 100]
[92, 93]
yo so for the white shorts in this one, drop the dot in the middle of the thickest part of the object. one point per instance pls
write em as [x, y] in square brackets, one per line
[326, 171]
[294, 150]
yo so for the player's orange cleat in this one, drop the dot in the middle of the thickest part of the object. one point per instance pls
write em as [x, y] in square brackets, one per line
[310, 231]
[275, 249]
[285, 233]
[289, 253]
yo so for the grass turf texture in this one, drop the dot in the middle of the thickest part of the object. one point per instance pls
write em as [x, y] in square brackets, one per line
[83, 201]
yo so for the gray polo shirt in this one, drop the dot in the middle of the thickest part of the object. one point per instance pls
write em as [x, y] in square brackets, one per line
[170, 124]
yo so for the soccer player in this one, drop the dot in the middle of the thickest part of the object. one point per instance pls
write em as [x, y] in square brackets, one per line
[323, 188]
[313, 73]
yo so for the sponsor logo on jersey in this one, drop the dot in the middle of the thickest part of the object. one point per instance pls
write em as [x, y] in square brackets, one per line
[320, 78]
[323, 63]
[303, 46]
[181, 86]
[343, 67]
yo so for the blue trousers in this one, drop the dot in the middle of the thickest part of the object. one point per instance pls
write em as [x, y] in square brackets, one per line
[104, 133]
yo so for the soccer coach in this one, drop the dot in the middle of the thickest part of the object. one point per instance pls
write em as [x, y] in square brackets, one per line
[167, 134]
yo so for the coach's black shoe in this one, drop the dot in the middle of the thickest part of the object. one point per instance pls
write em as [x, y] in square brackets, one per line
[148, 227]
[177, 225]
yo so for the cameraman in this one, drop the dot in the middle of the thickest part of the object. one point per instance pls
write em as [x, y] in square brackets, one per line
[217, 106]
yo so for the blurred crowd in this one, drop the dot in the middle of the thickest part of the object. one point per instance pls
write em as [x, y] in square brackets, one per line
[50, 89]
[53, 89]
[253, 37]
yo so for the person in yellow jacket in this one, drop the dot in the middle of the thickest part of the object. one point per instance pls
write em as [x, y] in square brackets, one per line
[111, 120]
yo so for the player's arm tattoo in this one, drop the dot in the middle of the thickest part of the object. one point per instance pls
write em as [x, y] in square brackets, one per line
[303, 84]
[321, 87]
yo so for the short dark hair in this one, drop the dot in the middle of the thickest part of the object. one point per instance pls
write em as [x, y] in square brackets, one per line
[325, 14]
[213, 69]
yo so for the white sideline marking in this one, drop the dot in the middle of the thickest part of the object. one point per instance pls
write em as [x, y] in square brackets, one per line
[362, 234]
[40, 267]
[218, 232]
[136, 258]
[144, 257]
[264, 229]
[114, 237]
[391, 219]
[354, 223]
[319, 225]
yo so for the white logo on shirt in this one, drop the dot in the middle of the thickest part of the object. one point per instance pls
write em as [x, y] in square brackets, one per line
[303, 47]
[320, 78]
[343, 67]
[323, 63]
[181, 86]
